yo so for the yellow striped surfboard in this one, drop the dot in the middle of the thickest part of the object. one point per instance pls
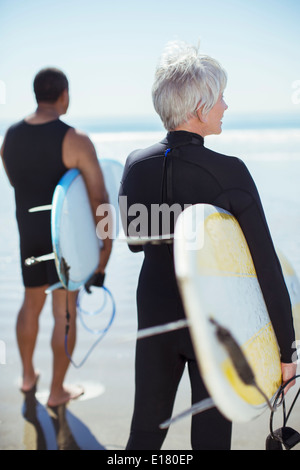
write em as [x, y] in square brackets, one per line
[217, 280]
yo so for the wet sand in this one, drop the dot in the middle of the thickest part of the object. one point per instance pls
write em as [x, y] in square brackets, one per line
[101, 418]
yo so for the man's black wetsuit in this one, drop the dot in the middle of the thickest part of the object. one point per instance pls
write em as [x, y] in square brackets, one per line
[193, 174]
[33, 159]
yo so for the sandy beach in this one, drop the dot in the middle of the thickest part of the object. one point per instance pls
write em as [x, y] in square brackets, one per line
[101, 418]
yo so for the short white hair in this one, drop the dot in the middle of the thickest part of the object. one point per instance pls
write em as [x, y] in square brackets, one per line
[184, 82]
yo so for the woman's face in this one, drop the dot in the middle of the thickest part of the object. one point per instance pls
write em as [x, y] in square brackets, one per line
[213, 120]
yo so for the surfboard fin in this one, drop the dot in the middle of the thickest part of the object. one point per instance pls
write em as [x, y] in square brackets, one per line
[199, 407]
[47, 207]
[57, 285]
[154, 240]
[156, 330]
[38, 259]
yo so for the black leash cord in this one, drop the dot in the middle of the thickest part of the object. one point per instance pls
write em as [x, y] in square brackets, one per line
[238, 358]
[65, 268]
[279, 395]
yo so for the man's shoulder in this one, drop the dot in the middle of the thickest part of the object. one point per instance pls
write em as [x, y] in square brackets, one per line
[76, 134]
[77, 138]
[78, 148]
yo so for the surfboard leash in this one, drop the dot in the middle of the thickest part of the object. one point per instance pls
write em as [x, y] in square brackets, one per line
[284, 436]
[65, 272]
[65, 269]
[238, 358]
[102, 333]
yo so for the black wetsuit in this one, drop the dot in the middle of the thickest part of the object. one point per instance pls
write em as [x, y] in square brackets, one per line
[192, 174]
[33, 159]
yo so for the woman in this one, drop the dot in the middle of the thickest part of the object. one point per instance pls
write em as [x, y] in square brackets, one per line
[188, 96]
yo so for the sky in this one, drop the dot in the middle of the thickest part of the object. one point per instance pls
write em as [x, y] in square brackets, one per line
[109, 51]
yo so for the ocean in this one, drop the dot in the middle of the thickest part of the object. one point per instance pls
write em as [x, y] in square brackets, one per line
[271, 151]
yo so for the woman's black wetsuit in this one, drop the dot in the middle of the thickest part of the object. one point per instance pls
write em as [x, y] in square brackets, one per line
[33, 160]
[193, 174]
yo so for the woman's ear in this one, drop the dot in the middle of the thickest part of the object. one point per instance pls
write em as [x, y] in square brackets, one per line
[202, 117]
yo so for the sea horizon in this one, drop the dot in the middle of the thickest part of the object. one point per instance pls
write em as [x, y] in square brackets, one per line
[152, 123]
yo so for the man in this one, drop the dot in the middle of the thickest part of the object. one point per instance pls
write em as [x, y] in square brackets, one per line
[36, 152]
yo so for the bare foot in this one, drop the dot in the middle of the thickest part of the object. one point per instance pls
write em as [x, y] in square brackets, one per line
[29, 382]
[67, 393]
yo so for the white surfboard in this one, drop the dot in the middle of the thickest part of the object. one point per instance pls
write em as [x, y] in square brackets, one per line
[112, 172]
[293, 286]
[218, 282]
[74, 238]
[73, 231]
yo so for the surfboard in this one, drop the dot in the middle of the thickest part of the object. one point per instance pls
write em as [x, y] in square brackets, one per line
[74, 238]
[219, 286]
[73, 231]
[293, 286]
[112, 172]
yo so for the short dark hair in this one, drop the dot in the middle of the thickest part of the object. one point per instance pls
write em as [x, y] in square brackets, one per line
[49, 83]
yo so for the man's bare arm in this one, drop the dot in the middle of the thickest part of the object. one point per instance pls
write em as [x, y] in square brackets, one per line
[79, 152]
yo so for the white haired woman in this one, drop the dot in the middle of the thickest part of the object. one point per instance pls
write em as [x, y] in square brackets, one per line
[188, 96]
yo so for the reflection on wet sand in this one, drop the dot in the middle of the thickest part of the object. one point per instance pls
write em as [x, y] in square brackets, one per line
[54, 428]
